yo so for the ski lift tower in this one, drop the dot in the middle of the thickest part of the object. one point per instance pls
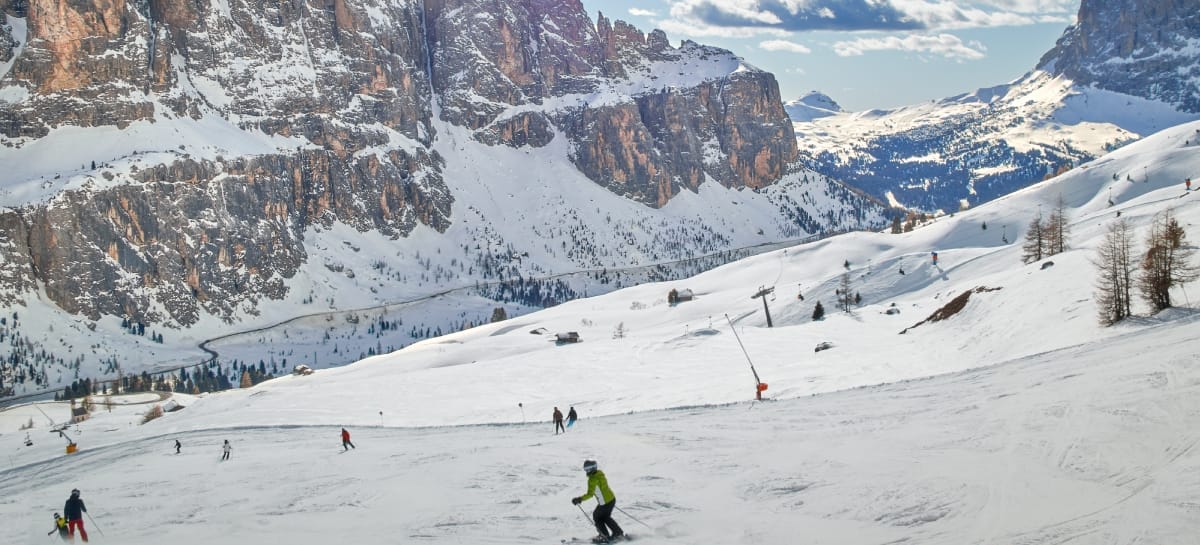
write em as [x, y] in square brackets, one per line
[60, 429]
[763, 293]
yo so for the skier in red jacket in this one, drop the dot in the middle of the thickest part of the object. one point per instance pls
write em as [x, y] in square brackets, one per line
[346, 444]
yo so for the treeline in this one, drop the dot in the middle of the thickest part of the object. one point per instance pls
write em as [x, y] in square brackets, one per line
[26, 362]
[202, 378]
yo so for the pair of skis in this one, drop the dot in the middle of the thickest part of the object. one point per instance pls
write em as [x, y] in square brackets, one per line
[578, 540]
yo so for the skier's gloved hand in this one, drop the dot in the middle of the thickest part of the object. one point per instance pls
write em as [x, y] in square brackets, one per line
[576, 501]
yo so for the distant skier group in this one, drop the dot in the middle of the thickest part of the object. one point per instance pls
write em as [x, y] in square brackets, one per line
[226, 447]
[558, 420]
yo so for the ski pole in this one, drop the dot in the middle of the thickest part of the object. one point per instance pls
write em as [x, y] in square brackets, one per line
[94, 525]
[584, 513]
[634, 518]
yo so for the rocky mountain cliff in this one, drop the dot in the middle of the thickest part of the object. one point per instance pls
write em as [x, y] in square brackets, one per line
[1125, 70]
[1135, 47]
[183, 163]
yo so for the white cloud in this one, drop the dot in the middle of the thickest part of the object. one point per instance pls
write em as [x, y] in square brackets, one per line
[945, 45]
[639, 12]
[695, 28]
[1034, 6]
[741, 18]
[784, 45]
[952, 15]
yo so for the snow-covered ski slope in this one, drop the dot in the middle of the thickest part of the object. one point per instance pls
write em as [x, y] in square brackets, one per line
[1017, 420]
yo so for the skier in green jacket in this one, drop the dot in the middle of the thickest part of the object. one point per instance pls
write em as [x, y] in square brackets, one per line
[597, 486]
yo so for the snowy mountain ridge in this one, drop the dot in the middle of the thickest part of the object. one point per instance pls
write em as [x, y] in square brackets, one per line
[1123, 71]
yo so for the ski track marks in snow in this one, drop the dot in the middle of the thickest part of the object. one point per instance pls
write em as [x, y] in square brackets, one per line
[1033, 451]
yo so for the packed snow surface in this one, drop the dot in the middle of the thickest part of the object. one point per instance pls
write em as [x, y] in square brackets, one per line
[1016, 420]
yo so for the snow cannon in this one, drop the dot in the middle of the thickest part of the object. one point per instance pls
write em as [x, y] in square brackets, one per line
[762, 387]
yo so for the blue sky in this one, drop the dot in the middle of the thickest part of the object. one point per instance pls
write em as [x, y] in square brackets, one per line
[865, 53]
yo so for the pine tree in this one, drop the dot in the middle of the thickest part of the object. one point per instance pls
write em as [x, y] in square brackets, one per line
[1114, 264]
[818, 312]
[845, 298]
[246, 382]
[896, 228]
[1035, 242]
[499, 315]
[1167, 261]
[1057, 229]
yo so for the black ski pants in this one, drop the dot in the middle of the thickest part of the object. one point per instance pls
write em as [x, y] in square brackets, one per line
[604, 521]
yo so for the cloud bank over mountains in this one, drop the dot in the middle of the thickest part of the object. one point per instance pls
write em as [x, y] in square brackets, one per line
[739, 17]
[912, 26]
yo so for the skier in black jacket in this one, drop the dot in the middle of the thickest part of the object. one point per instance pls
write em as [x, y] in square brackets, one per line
[74, 510]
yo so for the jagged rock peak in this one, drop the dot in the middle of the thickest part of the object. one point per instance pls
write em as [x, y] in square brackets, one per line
[1144, 48]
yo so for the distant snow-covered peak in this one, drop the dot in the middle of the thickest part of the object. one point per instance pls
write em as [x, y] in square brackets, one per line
[813, 105]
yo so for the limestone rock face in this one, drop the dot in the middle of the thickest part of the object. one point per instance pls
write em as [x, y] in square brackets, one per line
[8, 43]
[646, 147]
[203, 235]
[329, 111]
[1142, 48]
[509, 53]
[730, 130]
[285, 68]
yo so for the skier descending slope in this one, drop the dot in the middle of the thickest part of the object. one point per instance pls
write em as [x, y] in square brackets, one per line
[597, 485]
[74, 510]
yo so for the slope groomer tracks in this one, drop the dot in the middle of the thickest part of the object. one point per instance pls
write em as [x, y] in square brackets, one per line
[1176, 391]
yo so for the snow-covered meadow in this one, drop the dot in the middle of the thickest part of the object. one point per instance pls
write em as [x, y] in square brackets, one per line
[1017, 420]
